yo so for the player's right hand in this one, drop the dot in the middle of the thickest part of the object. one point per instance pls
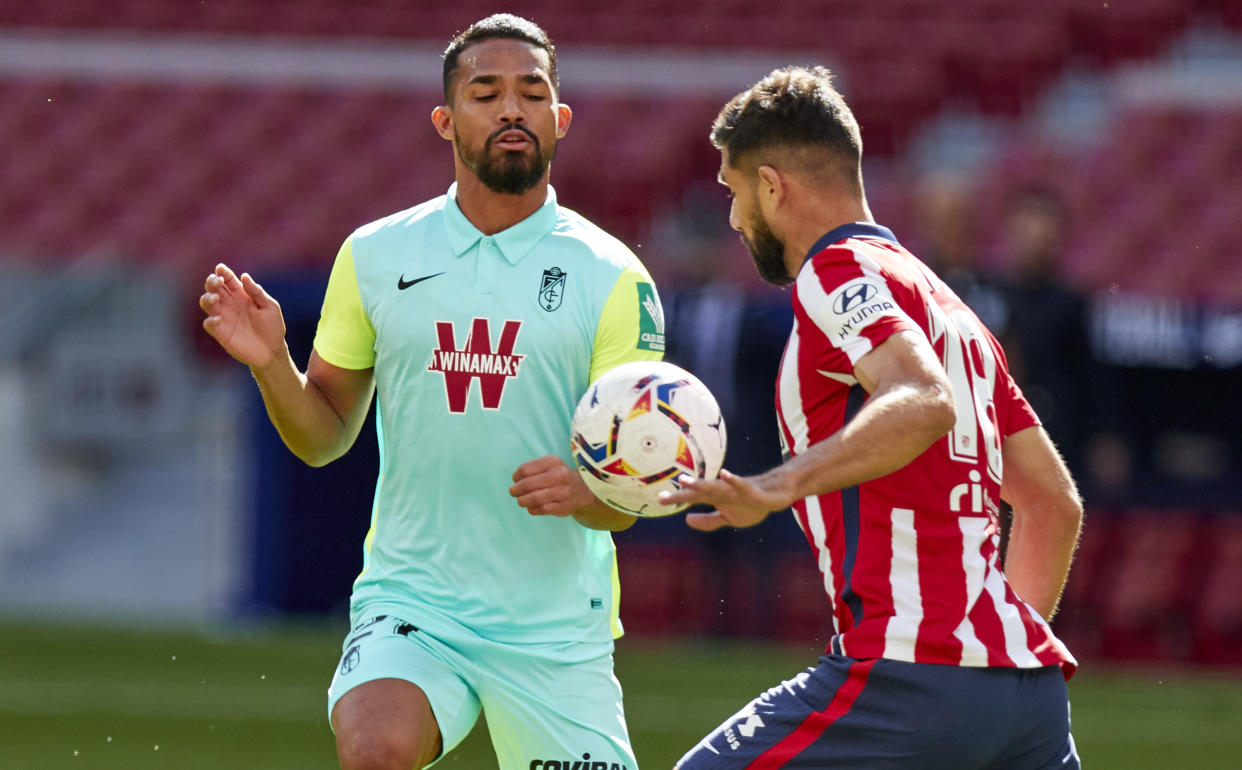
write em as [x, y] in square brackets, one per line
[739, 501]
[242, 317]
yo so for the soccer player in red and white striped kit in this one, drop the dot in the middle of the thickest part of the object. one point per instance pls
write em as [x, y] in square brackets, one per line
[903, 433]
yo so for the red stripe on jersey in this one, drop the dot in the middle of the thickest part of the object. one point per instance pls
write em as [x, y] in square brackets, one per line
[814, 725]
[1039, 636]
[833, 543]
[942, 579]
[987, 625]
[872, 573]
[984, 617]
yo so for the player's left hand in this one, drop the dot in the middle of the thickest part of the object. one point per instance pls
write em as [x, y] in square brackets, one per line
[547, 486]
[740, 501]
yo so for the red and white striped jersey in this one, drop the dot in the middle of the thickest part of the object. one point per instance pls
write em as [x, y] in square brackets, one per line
[909, 560]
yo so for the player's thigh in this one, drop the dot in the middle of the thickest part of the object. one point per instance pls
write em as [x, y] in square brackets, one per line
[1042, 738]
[844, 713]
[385, 723]
[776, 727]
[885, 714]
[555, 706]
[394, 690]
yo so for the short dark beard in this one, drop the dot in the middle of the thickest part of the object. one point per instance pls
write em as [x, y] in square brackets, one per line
[768, 253]
[512, 173]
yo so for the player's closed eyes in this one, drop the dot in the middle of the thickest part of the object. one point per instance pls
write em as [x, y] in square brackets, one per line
[528, 97]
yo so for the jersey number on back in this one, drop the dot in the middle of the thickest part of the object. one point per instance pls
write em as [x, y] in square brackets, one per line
[971, 366]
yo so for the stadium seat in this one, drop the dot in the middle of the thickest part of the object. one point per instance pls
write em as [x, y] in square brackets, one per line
[89, 139]
[1002, 65]
[890, 98]
[1218, 622]
[1110, 33]
[803, 611]
[1148, 607]
[662, 589]
[1080, 618]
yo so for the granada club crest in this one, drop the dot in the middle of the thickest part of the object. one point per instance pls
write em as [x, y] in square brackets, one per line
[477, 360]
[552, 288]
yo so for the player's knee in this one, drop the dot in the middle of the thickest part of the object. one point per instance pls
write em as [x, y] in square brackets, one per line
[377, 751]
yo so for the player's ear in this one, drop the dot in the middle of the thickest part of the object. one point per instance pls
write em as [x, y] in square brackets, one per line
[442, 119]
[563, 116]
[771, 185]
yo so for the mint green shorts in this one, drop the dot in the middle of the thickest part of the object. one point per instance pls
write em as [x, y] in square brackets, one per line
[548, 706]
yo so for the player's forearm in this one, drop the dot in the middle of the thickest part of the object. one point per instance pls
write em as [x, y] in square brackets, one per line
[301, 414]
[599, 515]
[891, 429]
[1041, 547]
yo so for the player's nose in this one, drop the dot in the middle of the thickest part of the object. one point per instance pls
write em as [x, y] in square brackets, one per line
[511, 108]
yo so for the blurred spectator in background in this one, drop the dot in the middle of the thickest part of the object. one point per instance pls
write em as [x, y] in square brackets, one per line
[728, 328]
[1041, 321]
[1045, 336]
[948, 237]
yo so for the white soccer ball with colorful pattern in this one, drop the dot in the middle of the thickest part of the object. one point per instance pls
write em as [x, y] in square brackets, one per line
[641, 426]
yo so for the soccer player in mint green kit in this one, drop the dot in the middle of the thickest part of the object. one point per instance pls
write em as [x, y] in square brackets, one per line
[478, 318]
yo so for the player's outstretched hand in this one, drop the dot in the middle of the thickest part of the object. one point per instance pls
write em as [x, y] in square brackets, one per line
[547, 486]
[242, 317]
[740, 501]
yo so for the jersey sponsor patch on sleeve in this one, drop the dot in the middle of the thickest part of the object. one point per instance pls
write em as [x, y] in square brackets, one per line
[854, 305]
[854, 315]
[650, 319]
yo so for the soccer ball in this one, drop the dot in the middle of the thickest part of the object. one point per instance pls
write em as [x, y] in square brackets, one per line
[638, 428]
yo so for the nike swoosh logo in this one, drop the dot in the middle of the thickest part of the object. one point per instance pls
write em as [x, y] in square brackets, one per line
[403, 284]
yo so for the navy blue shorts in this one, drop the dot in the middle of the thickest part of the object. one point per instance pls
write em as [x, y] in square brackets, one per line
[847, 713]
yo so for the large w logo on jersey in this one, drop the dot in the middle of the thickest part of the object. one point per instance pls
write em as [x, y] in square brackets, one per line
[477, 359]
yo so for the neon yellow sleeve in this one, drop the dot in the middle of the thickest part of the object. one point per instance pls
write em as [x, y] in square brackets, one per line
[345, 337]
[631, 328]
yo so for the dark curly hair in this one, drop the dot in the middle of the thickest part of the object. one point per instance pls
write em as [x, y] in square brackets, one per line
[504, 26]
[792, 108]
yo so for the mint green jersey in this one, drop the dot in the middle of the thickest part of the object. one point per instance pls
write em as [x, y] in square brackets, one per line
[481, 347]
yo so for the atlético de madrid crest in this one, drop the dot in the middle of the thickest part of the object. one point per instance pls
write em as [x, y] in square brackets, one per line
[552, 288]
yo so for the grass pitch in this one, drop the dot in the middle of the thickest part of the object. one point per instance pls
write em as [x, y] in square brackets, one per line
[97, 698]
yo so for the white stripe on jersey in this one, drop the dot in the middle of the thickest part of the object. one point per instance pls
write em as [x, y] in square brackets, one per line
[871, 268]
[791, 396]
[974, 532]
[903, 574]
[815, 518]
[1011, 623]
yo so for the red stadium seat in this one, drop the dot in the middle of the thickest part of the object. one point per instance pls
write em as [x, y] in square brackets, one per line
[662, 589]
[1218, 622]
[181, 148]
[1080, 618]
[890, 98]
[1148, 607]
[1003, 65]
[1109, 33]
[802, 608]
